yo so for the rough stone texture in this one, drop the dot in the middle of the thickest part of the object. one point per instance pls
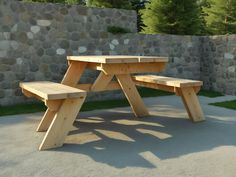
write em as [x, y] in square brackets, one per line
[36, 38]
[218, 63]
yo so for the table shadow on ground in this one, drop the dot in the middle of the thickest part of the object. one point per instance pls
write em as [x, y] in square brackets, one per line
[121, 140]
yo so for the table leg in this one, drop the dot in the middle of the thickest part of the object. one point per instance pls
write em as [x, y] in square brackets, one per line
[61, 123]
[71, 78]
[132, 95]
[74, 73]
[101, 82]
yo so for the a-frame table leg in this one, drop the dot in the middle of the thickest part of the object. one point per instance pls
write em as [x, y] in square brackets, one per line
[132, 95]
[101, 82]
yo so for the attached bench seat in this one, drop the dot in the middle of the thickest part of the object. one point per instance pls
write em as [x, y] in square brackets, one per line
[63, 104]
[51, 91]
[185, 88]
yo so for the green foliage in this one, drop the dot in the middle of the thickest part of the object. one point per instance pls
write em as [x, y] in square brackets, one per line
[221, 18]
[117, 30]
[87, 106]
[57, 1]
[120, 4]
[226, 104]
[138, 6]
[22, 109]
[210, 93]
[173, 17]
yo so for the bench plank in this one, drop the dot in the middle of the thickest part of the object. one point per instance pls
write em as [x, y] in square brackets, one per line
[184, 88]
[52, 91]
[167, 81]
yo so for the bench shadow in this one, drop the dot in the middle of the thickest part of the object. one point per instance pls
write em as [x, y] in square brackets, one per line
[119, 139]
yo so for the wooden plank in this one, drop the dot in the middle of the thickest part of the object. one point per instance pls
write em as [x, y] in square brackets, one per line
[51, 91]
[94, 66]
[113, 85]
[155, 86]
[46, 120]
[163, 87]
[153, 59]
[125, 68]
[168, 81]
[29, 94]
[132, 95]
[197, 89]
[179, 93]
[101, 82]
[192, 104]
[53, 105]
[117, 59]
[61, 123]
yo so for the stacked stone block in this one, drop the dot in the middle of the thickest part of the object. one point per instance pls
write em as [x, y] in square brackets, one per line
[218, 63]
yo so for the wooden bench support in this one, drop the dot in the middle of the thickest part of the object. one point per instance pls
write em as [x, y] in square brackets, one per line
[53, 107]
[186, 89]
[63, 102]
[61, 123]
[191, 104]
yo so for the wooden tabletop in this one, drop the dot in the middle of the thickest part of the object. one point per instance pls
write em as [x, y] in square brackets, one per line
[118, 59]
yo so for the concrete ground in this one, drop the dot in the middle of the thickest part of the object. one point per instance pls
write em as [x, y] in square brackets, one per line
[113, 143]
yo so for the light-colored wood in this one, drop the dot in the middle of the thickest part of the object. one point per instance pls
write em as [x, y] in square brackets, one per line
[163, 87]
[168, 81]
[71, 78]
[184, 88]
[53, 107]
[94, 66]
[61, 123]
[128, 68]
[113, 85]
[74, 73]
[179, 91]
[29, 94]
[197, 89]
[46, 121]
[132, 95]
[155, 86]
[118, 59]
[192, 104]
[101, 82]
[52, 91]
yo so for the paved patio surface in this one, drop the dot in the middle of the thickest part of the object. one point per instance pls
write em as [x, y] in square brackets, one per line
[113, 143]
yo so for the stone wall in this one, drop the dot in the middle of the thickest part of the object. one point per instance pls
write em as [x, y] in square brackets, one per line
[218, 63]
[36, 38]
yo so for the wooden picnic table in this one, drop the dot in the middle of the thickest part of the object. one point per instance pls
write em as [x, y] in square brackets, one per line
[65, 100]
